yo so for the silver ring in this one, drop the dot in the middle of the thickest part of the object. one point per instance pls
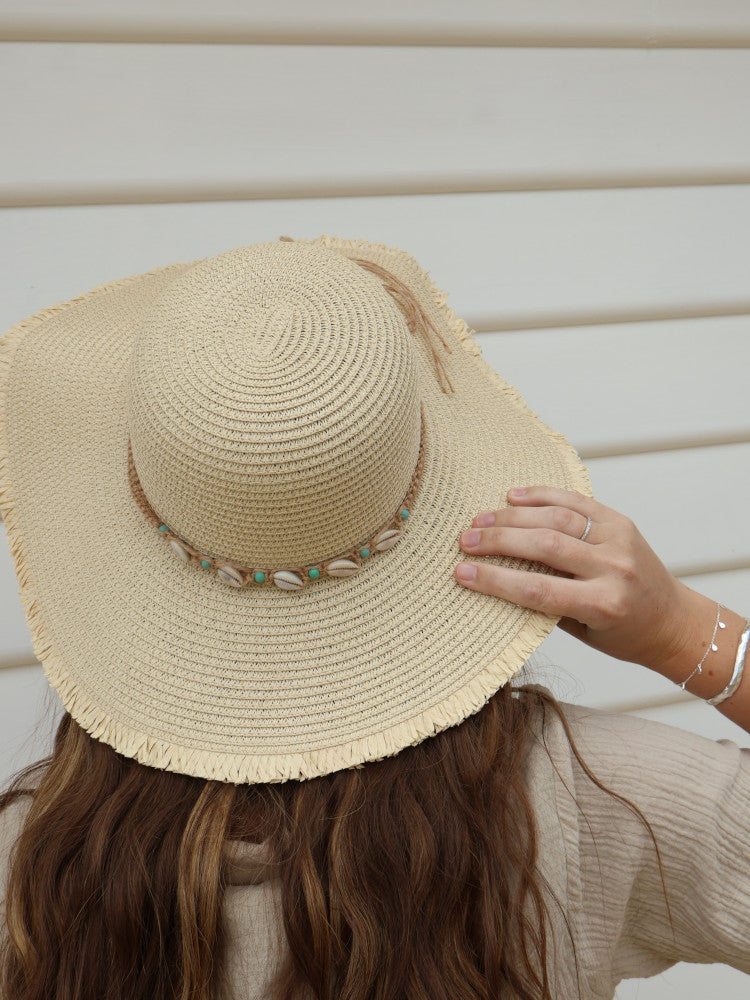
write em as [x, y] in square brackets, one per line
[588, 529]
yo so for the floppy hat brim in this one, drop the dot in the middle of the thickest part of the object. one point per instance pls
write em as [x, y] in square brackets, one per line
[169, 665]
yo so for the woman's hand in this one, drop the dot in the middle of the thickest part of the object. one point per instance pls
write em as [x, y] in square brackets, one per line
[614, 595]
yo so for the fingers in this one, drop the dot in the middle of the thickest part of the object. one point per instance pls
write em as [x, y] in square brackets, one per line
[552, 595]
[545, 526]
[562, 519]
[554, 548]
[547, 495]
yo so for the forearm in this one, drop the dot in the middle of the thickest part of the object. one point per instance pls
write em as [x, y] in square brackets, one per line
[699, 621]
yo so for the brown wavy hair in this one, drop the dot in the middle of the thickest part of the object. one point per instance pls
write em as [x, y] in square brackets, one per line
[401, 879]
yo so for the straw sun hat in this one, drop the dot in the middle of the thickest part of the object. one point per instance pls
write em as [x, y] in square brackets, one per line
[233, 491]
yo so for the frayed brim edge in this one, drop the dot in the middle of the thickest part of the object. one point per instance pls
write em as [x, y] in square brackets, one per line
[251, 769]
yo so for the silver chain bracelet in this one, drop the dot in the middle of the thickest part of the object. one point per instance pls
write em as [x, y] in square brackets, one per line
[711, 646]
[739, 663]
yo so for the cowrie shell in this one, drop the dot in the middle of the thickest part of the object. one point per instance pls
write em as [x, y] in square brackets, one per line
[287, 580]
[341, 567]
[231, 576]
[386, 539]
[180, 551]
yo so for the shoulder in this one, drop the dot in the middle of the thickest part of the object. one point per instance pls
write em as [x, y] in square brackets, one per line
[695, 794]
[624, 743]
[12, 819]
[668, 772]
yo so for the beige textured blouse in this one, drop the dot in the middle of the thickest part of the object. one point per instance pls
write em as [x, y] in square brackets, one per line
[694, 791]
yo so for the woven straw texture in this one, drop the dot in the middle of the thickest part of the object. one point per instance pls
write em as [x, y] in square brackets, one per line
[272, 396]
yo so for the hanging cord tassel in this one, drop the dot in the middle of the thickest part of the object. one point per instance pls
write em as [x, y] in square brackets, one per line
[416, 317]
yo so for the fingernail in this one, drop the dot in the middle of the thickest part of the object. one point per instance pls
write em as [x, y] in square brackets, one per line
[485, 520]
[470, 538]
[518, 492]
[466, 571]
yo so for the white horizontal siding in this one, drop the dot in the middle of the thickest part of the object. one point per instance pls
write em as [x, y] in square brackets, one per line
[509, 260]
[496, 22]
[633, 386]
[123, 122]
[687, 981]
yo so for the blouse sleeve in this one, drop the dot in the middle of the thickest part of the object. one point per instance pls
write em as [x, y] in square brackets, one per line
[12, 818]
[695, 793]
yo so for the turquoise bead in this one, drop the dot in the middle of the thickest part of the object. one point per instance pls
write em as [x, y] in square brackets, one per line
[404, 513]
[364, 553]
[314, 574]
[205, 562]
[163, 527]
[259, 577]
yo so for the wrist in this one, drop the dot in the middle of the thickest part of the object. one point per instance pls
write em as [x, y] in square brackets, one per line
[692, 638]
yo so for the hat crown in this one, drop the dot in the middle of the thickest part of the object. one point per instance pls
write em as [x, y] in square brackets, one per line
[273, 405]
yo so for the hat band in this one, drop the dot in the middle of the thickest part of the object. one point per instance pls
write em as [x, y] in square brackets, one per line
[294, 577]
